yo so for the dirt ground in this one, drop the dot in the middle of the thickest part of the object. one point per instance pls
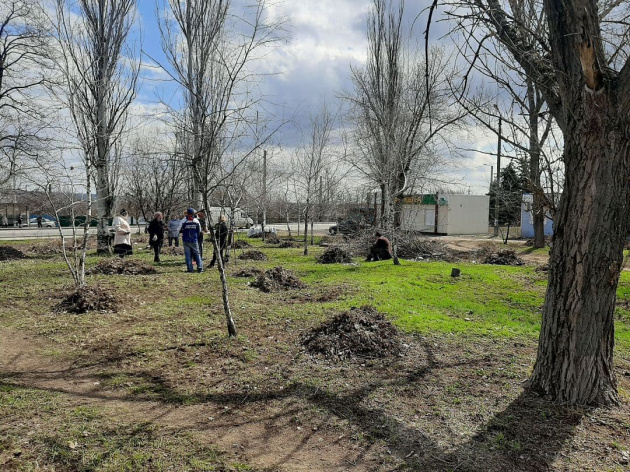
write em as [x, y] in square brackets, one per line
[466, 244]
[443, 403]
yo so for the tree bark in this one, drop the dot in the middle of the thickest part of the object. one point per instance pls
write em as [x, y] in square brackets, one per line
[231, 326]
[575, 351]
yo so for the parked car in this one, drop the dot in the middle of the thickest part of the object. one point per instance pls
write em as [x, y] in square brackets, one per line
[347, 227]
[46, 223]
[241, 219]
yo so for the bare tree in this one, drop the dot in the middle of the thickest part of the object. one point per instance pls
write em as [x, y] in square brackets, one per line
[154, 179]
[62, 185]
[519, 105]
[400, 112]
[25, 68]
[210, 50]
[100, 87]
[312, 159]
[580, 64]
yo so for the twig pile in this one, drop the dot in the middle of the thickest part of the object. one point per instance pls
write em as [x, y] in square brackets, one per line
[87, 298]
[241, 244]
[286, 244]
[272, 238]
[361, 332]
[335, 255]
[503, 257]
[253, 255]
[277, 278]
[115, 266]
[173, 250]
[8, 253]
[248, 272]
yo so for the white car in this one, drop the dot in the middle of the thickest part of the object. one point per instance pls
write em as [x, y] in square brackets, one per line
[46, 223]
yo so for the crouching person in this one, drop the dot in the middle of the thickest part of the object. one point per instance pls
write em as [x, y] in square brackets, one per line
[190, 230]
[381, 250]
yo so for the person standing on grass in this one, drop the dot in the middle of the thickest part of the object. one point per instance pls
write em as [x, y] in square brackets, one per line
[201, 216]
[221, 234]
[173, 231]
[122, 230]
[190, 229]
[156, 235]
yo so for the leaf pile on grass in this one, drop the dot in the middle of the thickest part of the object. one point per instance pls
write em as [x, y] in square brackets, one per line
[248, 272]
[412, 247]
[287, 244]
[357, 333]
[173, 251]
[277, 278]
[542, 268]
[272, 238]
[116, 266]
[88, 298]
[241, 244]
[327, 240]
[335, 255]
[253, 255]
[503, 257]
[46, 248]
[8, 253]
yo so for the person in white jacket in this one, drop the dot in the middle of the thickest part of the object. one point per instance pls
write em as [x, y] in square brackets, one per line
[122, 232]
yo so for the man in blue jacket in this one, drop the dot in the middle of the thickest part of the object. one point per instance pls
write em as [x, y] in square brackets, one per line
[190, 230]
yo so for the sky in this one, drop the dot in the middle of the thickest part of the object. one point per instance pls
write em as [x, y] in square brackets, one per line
[326, 38]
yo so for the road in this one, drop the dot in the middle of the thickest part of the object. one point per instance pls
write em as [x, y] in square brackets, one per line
[44, 233]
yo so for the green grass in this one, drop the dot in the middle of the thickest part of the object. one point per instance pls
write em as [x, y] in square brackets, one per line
[420, 297]
[172, 322]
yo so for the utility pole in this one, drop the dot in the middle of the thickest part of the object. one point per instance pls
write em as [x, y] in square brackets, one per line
[498, 188]
[264, 195]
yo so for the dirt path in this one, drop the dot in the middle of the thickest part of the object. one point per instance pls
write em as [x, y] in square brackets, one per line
[467, 244]
[261, 434]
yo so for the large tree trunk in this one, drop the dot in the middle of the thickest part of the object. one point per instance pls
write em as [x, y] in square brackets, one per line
[575, 351]
[104, 206]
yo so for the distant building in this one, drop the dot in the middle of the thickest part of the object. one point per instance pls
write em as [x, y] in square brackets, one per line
[527, 218]
[446, 213]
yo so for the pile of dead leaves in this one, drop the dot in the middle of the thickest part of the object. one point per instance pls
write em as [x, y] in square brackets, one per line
[253, 255]
[8, 253]
[89, 298]
[47, 248]
[115, 266]
[248, 272]
[277, 278]
[328, 240]
[272, 238]
[358, 333]
[287, 244]
[335, 255]
[241, 244]
[173, 251]
[503, 257]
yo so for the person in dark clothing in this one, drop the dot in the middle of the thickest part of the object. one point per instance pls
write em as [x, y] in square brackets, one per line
[156, 235]
[221, 233]
[381, 250]
[201, 216]
[190, 229]
[39, 221]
